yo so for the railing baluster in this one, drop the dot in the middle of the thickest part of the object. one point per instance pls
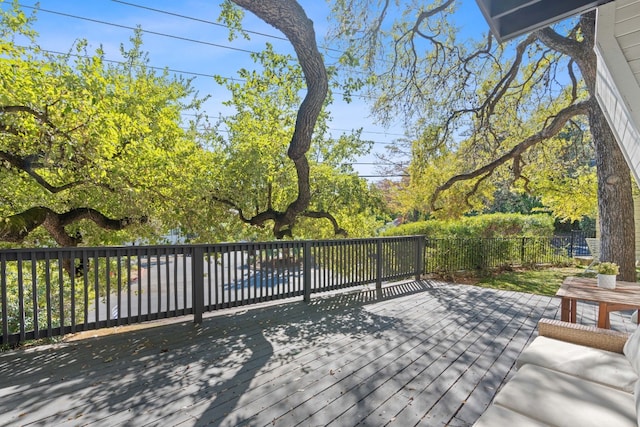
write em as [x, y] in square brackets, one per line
[4, 295]
[34, 296]
[71, 288]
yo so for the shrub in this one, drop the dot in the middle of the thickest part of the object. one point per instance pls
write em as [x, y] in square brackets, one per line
[488, 226]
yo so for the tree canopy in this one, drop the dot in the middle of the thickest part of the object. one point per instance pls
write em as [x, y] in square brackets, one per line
[481, 111]
[98, 151]
[87, 145]
[254, 175]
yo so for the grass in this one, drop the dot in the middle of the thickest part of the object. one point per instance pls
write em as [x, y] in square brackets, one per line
[535, 281]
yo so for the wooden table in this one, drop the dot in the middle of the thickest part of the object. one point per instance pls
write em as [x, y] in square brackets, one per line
[626, 296]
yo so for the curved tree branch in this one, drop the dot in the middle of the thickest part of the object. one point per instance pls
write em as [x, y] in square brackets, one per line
[337, 230]
[26, 165]
[550, 129]
[16, 228]
[289, 17]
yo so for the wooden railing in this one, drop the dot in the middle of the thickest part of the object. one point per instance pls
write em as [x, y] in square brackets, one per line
[55, 291]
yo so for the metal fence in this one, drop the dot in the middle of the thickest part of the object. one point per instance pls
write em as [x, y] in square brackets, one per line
[450, 255]
[51, 292]
[575, 242]
[48, 292]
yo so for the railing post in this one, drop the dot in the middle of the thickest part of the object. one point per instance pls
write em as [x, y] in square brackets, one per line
[197, 283]
[571, 245]
[306, 271]
[419, 256]
[379, 258]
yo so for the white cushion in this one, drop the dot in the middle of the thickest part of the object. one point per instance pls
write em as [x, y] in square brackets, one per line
[562, 400]
[604, 367]
[498, 416]
[632, 350]
[636, 393]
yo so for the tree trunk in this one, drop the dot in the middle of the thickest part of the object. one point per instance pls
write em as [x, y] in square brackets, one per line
[615, 200]
[290, 18]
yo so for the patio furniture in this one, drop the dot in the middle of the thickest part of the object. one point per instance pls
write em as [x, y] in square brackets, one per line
[571, 375]
[594, 247]
[625, 296]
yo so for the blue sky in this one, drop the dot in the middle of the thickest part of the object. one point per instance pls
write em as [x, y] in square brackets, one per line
[213, 54]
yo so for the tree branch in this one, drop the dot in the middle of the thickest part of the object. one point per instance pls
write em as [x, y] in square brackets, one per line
[16, 228]
[337, 230]
[26, 165]
[289, 17]
[550, 129]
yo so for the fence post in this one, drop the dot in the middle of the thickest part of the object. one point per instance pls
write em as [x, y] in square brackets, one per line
[197, 282]
[306, 271]
[571, 244]
[419, 256]
[522, 251]
[379, 258]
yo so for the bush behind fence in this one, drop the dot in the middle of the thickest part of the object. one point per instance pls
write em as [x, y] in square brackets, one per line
[481, 254]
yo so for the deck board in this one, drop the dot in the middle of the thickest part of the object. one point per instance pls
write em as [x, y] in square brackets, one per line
[428, 353]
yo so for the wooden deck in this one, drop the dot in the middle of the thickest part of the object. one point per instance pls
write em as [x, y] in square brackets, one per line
[428, 354]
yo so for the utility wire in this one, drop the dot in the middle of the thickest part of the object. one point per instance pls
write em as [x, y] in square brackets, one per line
[157, 33]
[217, 24]
[187, 39]
[191, 18]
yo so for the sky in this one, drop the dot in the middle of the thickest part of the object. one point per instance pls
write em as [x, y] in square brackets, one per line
[182, 36]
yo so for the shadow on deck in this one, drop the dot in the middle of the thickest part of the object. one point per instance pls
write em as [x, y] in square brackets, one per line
[427, 353]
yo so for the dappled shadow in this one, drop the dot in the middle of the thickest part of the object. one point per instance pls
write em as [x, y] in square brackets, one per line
[179, 372]
[425, 352]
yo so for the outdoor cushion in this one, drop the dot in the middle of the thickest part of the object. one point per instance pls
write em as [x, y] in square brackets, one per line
[636, 393]
[558, 399]
[632, 350]
[498, 416]
[604, 367]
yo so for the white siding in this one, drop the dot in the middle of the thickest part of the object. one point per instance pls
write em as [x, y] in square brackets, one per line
[618, 80]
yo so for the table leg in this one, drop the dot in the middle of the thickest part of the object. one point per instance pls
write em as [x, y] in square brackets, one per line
[603, 316]
[568, 309]
[565, 309]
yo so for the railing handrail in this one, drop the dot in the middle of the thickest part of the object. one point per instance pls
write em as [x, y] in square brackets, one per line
[53, 291]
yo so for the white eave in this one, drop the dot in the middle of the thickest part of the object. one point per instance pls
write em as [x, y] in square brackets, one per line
[618, 80]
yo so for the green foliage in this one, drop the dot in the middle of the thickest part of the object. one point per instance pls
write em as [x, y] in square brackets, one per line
[487, 226]
[84, 132]
[610, 268]
[253, 173]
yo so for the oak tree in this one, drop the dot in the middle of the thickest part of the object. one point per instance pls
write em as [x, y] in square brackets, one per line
[89, 148]
[505, 102]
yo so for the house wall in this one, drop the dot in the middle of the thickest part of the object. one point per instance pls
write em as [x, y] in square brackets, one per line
[618, 80]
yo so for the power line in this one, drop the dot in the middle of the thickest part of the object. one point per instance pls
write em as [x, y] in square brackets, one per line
[113, 61]
[191, 18]
[204, 21]
[164, 35]
[187, 39]
[375, 132]
[157, 33]
[226, 131]
[384, 176]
